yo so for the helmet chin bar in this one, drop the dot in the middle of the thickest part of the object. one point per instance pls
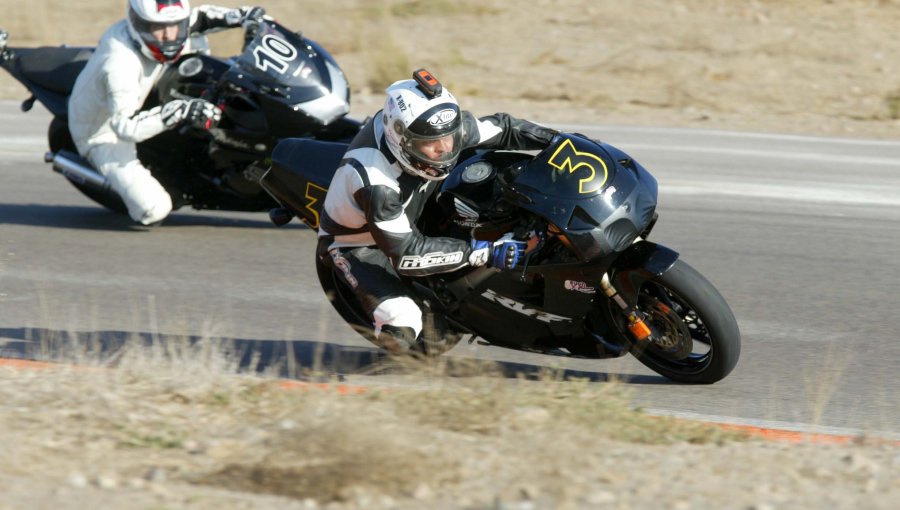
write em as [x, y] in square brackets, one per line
[431, 172]
[161, 54]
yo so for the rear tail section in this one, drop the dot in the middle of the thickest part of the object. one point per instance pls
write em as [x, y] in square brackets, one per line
[299, 178]
[49, 73]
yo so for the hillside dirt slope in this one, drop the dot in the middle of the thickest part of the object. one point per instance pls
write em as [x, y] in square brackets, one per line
[786, 66]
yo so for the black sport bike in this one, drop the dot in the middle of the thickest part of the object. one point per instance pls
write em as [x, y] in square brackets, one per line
[592, 285]
[281, 85]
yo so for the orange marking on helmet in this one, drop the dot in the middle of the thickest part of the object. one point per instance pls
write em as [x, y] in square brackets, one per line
[427, 77]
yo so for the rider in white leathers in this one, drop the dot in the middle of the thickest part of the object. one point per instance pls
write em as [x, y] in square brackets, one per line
[104, 109]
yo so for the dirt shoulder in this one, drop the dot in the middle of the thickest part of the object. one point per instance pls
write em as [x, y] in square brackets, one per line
[190, 434]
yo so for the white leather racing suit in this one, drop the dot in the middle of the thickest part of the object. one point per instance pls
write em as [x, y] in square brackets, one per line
[368, 228]
[105, 118]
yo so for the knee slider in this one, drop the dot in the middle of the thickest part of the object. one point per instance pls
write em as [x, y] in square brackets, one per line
[398, 316]
[396, 339]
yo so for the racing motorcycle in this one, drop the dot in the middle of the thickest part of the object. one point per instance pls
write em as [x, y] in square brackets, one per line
[592, 285]
[281, 85]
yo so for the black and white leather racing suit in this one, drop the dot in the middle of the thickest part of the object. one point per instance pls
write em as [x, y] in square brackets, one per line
[368, 228]
[105, 116]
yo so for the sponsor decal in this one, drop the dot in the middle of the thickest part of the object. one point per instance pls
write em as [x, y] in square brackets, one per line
[468, 217]
[342, 264]
[431, 260]
[442, 117]
[578, 286]
[522, 309]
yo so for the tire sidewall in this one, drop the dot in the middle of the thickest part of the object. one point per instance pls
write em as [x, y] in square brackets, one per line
[717, 317]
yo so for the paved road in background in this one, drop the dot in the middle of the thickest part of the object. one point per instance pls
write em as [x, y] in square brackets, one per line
[800, 234]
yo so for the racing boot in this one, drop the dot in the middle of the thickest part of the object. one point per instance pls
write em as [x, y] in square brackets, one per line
[396, 340]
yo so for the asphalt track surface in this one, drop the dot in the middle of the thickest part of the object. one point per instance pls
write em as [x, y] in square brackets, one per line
[800, 234]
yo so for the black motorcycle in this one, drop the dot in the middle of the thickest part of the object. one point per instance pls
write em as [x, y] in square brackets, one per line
[281, 85]
[591, 286]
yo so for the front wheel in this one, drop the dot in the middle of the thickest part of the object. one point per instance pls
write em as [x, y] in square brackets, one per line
[695, 337]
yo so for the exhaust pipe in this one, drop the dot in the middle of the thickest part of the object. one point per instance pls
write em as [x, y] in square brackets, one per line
[76, 169]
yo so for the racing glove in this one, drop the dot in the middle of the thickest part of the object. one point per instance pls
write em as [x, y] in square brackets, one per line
[246, 16]
[504, 253]
[198, 113]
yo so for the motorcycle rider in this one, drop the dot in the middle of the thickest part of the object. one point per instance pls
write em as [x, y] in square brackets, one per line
[105, 117]
[367, 228]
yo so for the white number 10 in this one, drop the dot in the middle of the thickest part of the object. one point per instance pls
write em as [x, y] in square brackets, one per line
[274, 53]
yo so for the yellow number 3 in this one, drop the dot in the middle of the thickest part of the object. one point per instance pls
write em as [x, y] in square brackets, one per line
[314, 194]
[568, 158]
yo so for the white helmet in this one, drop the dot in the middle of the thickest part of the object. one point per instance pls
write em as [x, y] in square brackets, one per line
[147, 16]
[422, 126]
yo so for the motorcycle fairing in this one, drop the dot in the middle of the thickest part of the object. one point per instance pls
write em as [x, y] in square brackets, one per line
[48, 72]
[190, 76]
[298, 82]
[300, 175]
[531, 308]
[54, 68]
[596, 195]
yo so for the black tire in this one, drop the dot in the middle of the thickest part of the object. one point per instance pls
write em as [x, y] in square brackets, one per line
[695, 335]
[436, 338]
[59, 138]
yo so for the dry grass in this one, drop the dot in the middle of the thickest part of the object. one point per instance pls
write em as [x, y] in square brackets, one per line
[182, 409]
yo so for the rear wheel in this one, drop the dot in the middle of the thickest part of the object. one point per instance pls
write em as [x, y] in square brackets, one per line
[695, 335]
[437, 337]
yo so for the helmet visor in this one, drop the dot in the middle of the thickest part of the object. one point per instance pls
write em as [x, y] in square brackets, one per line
[165, 38]
[439, 152]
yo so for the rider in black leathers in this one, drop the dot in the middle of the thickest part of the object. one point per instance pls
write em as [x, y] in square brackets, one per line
[368, 225]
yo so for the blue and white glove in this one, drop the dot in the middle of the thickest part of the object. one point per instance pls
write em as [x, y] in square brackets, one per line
[504, 253]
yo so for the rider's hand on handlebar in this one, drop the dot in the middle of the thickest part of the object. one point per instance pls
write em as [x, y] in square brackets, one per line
[250, 16]
[504, 253]
[247, 16]
[198, 113]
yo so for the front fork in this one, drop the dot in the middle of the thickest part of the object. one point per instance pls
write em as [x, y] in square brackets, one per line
[639, 263]
[636, 324]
